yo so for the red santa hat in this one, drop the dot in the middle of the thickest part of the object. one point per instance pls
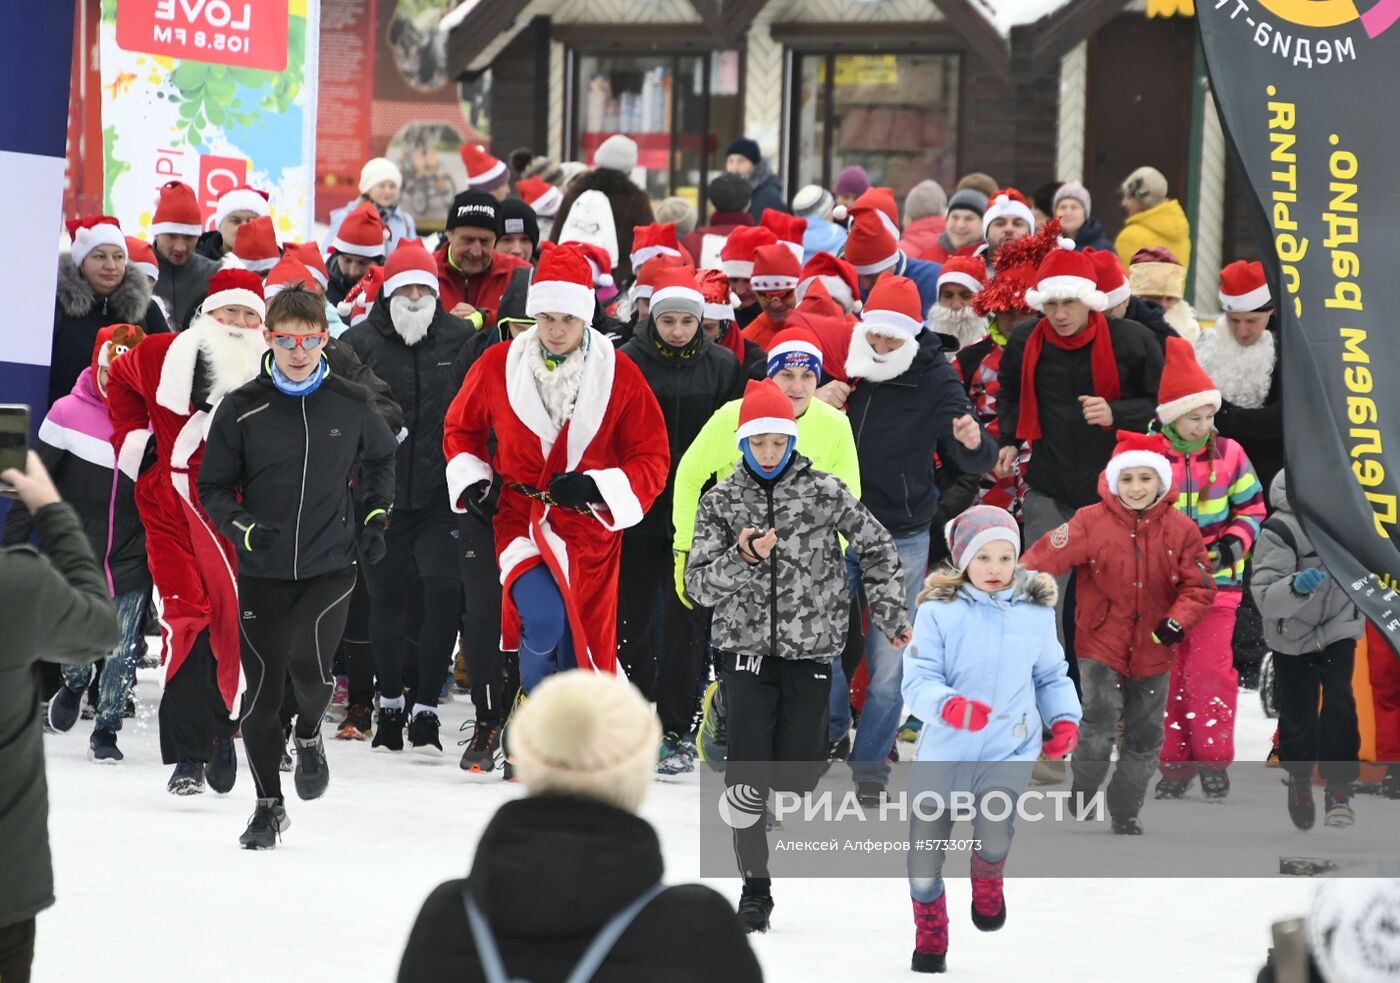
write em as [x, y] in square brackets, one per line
[765, 410]
[736, 258]
[113, 341]
[775, 270]
[1139, 450]
[645, 283]
[651, 241]
[965, 271]
[1008, 202]
[893, 308]
[289, 270]
[676, 291]
[360, 298]
[1185, 386]
[1109, 276]
[363, 233]
[882, 200]
[540, 195]
[256, 245]
[719, 300]
[410, 263]
[140, 255]
[1244, 288]
[310, 254]
[872, 245]
[1066, 275]
[233, 287]
[563, 283]
[177, 211]
[599, 261]
[837, 275]
[817, 300]
[93, 231]
[1016, 266]
[483, 170]
[241, 199]
[794, 348]
[788, 228]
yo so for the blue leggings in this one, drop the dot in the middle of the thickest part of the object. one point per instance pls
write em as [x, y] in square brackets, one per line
[546, 644]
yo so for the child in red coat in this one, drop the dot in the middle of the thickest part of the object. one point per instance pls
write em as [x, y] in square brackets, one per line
[1144, 578]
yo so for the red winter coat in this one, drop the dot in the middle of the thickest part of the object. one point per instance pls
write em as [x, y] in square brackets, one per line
[612, 436]
[920, 240]
[1135, 569]
[483, 291]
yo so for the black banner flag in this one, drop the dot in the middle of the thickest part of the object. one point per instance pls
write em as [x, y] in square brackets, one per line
[1307, 92]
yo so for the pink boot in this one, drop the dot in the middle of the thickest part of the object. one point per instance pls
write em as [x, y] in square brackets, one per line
[930, 935]
[988, 902]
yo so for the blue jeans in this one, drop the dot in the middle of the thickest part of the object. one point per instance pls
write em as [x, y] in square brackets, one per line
[119, 668]
[546, 644]
[884, 701]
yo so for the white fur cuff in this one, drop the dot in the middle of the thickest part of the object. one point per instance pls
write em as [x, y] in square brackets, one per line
[617, 494]
[463, 471]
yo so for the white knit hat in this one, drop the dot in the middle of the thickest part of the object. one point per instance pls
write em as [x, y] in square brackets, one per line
[379, 169]
[587, 734]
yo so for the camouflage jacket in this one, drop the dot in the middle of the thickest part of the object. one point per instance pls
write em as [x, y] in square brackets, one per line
[793, 605]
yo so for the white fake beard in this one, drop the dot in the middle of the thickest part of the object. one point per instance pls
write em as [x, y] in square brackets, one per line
[966, 325]
[1182, 320]
[233, 355]
[1243, 374]
[864, 363]
[412, 318]
[558, 387]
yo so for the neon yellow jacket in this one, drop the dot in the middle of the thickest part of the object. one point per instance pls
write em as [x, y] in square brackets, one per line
[823, 436]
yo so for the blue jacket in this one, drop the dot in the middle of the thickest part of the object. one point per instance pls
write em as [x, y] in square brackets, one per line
[998, 648]
[822, 236]
[924, 274]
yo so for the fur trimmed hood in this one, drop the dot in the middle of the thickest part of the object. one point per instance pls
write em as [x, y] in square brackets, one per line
[128, 303]
[1030, 587]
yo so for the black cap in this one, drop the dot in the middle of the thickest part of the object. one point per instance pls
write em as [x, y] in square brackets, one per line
[518, 218]
[476, 209]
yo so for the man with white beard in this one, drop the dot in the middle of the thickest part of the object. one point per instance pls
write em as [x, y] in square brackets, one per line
[1241, 356]
[410, 342]
[169, 391]
[960, 279]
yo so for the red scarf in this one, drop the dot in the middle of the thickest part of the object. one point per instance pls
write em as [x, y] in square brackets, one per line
[732, 338]
[1105, 367]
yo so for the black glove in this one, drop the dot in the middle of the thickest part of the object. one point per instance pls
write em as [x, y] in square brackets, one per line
[478, 500]
[574, 489]
[260, 537]
[371, 542]
[1227, 552]
[1169, 632]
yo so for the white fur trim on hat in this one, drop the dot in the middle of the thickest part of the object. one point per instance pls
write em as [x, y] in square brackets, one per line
[891, 323]
[640, 256]
[1138, 459]
[174, 229]
[101, 234]
[489, 176]
[258, 265]
[796, 248]
[547, 204]
[962, 279]
[879, 266]
[992, 534]
[408, 277]
[230, 298]
[1003, 206]
[767, 424]
[1244, 303]
[1066, 288]
[1117, 296]
[795, 345]
[240, 200]
[1177, 408]
[739, 269]
[773, 284]
[356, 249]
[718, 312]
[561, 297]
[150, 269]
[688, 295]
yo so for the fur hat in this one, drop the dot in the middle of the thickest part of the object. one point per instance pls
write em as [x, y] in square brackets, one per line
[586, 734]
[1156, 272]
[1071, 189]
[1146, 184]
[377, 170]
[976, 527]
[616, 153]
[1185, 385]
[1139, 450]
[1066, 275]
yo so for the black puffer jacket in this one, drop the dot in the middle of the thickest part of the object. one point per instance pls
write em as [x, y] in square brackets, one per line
[183, 288]
[689, 390]
[79, 314]
[420, 378]
[1151, 316]
[549, 873]
[898, 424]
[288, 461]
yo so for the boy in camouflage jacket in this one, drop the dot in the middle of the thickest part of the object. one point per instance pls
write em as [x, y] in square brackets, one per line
[767, 557]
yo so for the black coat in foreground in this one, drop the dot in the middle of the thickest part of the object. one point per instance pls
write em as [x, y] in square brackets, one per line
[549, 872]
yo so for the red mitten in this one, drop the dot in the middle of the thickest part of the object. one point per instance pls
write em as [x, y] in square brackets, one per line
[1064, 738]
[965, 714]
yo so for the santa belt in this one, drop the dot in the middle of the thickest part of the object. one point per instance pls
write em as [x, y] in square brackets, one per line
[543, 496]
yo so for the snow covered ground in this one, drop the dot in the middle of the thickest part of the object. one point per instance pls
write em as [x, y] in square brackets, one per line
[155, 888]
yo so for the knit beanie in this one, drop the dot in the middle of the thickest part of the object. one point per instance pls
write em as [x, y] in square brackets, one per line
[617, 153]
[852, 181]
[976, 527]
[377, 170]
[924, 199]
[1354, 927]
[678, 212]
[586, 734]
[746, 148]
[969, 200]
[813, 201]
[729, 193]
[1071, 189]
[518, 218]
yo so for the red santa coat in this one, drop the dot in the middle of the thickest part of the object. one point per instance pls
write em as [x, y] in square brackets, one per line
[192, 565]
[616, 435]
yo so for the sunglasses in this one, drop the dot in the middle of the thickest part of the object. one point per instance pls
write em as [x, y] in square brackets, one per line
[308, 342]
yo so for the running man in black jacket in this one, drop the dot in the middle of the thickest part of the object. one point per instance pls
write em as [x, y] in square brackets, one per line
[276, 478]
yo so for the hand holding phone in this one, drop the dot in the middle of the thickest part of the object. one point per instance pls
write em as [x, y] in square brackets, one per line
[14, 441]
[32, 486]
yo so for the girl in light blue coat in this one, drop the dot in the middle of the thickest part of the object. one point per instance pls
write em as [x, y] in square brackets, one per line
[983, 672]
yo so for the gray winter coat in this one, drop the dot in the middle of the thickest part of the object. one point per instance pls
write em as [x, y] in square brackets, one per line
[1296, 624]
[183, 288]
[793, 605]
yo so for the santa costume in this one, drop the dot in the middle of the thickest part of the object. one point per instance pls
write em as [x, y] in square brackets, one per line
[167, 387]
[588, 417]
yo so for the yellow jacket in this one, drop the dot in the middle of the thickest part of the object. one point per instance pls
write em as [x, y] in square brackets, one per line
[1160, 225]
